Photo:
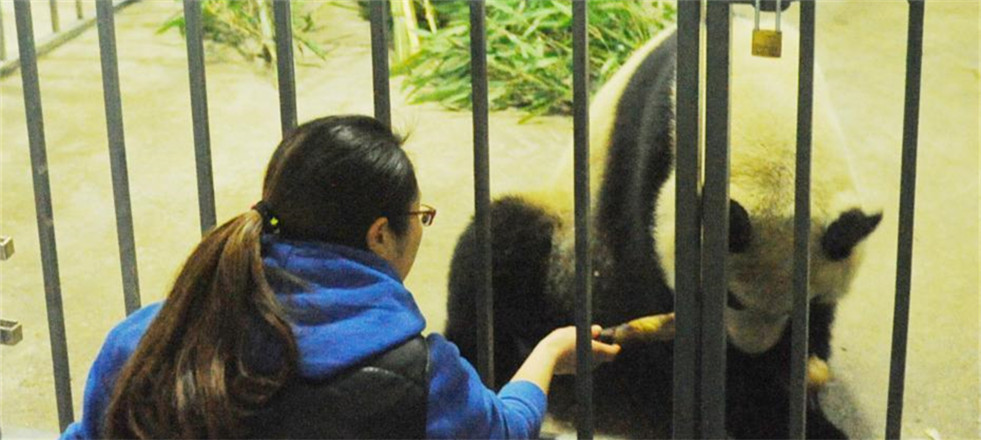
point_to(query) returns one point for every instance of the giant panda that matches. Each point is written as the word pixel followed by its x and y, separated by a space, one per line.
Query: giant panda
pixel 632 246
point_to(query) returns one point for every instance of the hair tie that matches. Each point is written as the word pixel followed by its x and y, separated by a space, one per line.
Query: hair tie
pixel 270 222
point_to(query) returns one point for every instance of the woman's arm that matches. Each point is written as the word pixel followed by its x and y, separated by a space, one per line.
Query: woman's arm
pixel 460 406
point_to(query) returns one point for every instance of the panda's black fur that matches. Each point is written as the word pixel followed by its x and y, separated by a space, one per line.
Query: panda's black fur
pixel 525 273
pixel 532 280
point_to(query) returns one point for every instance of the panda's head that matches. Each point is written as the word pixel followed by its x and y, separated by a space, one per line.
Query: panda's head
pixel 761 264
pixel 763 141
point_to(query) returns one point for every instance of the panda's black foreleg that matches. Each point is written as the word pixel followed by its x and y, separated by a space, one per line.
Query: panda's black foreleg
pixel 758 393
pixel 819 338
pixel 521 246
pixel 819 345
pixel 763 413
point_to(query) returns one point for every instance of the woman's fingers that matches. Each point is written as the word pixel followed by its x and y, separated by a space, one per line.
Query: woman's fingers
pixel 605 352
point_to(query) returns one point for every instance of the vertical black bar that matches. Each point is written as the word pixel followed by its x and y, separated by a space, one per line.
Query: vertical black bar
pixel 584 297
pixel 79 13
pixel 284 65
pixel 379 60
pixel 715 247
pixel 199 112
pixel 3 40
pixel 55 21
pixel 688 226
pixel 481 177
pixel 117 154
pixel 45 214
pixel 907 197
pixel 802 224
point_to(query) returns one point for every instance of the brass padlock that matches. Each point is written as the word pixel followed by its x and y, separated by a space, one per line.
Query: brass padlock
pixel 767 43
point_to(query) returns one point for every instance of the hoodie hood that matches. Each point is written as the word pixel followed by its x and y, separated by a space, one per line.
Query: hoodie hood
pixel 351 307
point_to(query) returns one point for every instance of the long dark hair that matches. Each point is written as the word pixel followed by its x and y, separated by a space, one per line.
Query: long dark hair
pixel 194 373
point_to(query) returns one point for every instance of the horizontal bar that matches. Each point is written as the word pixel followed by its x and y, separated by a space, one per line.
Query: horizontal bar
pixel 907 199
pixel 53 41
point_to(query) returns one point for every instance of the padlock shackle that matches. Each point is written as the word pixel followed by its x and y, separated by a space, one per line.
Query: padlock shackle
pixel 779 10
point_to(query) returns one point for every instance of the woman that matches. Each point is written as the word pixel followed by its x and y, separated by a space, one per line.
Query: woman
pixel 291 320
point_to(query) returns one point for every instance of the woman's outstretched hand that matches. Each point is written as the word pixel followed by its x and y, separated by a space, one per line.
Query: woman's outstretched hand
pixel 563 340
pixel 556 354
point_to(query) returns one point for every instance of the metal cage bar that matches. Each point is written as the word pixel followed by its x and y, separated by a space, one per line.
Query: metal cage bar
pixel 584 295
pixel 715 214
pixel 688 225
pixel 199 114
pixel 907 198
pixel 45 214
pixel 481 177
pixel 55 20
pixel 3 40
pixel 379 60
pixel 802 225
pixel 117 154
pixel 284 65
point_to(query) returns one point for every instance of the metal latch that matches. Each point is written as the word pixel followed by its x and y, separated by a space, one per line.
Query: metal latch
pixel 10 332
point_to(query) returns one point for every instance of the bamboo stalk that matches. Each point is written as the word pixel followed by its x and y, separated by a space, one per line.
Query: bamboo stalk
pixel 411 26
pixel 427 6
pixel 646 329
pixel 268 37
pixel 398 30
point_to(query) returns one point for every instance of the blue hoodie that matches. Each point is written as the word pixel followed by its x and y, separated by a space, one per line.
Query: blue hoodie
pixel 355 308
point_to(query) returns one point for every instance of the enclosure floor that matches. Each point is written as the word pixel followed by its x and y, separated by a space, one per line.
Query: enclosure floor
pixel 861 46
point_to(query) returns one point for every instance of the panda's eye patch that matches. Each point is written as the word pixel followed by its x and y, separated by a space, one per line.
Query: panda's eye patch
pixel 846 232
pixel 734 302
pixel 740 229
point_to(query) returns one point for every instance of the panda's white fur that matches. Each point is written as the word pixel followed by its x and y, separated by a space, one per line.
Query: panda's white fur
pixel 763 115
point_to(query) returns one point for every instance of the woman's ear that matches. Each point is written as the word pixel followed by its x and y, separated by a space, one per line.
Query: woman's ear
pixel 380 239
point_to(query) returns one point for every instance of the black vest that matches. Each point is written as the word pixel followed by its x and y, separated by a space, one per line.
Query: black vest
pixel 385 397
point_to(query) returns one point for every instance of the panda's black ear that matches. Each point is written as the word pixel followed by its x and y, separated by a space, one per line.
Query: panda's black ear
pixel 740 229
pixel 847 231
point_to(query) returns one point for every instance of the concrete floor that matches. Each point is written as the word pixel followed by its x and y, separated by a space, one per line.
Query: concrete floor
pixel 861 46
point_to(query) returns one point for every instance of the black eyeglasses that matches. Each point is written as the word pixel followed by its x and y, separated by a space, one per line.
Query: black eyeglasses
pixel 426 215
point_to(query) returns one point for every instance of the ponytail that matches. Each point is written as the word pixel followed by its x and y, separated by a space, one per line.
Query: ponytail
pixel 199 370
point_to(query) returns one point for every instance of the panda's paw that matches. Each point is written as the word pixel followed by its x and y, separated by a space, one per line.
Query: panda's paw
pixel 818 374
